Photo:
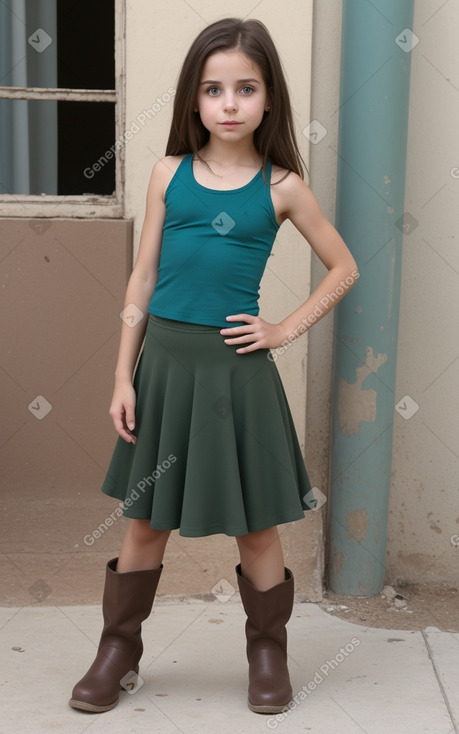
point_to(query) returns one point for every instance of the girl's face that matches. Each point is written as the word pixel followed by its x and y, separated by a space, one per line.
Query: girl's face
pixel 232 95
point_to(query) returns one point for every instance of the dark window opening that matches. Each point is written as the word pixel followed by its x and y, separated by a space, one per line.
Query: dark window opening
pixel 85 49
pixel 50 147
pixel 86 130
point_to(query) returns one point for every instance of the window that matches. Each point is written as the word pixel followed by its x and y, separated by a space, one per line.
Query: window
pixel 61 107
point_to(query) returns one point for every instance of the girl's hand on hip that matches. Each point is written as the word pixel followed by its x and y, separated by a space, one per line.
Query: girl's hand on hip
pixel 122 410
pixel 259 334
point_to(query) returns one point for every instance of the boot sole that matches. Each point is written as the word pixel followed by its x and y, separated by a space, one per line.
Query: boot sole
pixel 268 708
pixel 92 707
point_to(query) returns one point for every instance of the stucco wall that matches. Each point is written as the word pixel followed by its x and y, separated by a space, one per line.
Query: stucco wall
pixel 45 556
pixel 158 36
pixel 422 542
pixel 423 531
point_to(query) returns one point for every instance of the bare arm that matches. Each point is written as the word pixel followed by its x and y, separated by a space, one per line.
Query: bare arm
pixel 138 295
pixel 305 213
pixel 295 201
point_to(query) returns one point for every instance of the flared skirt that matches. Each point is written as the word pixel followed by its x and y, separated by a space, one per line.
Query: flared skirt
pixel 217 450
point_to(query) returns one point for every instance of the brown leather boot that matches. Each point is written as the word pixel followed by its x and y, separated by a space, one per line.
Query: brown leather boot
pixel 127 601
pixel 267 614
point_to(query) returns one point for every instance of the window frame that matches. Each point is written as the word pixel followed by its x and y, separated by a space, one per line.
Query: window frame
pixel 79 206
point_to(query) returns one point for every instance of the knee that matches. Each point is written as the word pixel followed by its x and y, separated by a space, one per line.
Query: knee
pixel 142 534
pixel 257 541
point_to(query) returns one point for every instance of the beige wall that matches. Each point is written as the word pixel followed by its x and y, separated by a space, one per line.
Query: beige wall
pixel 158 36
pixel 424 500
pixel 423 533
pixel 61 288
pixel 63 283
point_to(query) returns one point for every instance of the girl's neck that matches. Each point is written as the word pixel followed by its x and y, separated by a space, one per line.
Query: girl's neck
pixel 229 155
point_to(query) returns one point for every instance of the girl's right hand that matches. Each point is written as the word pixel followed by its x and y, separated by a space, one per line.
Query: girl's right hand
pixel 122 410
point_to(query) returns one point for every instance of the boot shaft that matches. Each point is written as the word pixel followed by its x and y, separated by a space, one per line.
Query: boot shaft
pixel 127 599
pixel 267 611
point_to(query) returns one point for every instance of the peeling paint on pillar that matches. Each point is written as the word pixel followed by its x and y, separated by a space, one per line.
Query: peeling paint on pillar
pixel 355 404
pixel 336 562
pixel 357 524
pixel 372 142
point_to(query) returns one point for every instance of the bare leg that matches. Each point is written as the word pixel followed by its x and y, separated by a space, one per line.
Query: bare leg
pixel 262 559
pixel 142 548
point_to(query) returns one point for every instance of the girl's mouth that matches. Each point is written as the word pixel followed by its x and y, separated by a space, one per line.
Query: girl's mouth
pixel 230 123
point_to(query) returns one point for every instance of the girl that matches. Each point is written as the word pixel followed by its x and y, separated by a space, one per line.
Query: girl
pixel 206 439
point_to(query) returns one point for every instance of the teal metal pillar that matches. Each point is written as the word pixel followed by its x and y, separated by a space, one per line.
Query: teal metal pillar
pixel 377 42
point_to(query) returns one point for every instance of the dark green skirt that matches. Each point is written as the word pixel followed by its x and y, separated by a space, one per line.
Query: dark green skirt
pixel 217 450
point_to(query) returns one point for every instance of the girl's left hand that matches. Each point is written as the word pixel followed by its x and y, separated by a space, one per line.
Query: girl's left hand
pixel 258 332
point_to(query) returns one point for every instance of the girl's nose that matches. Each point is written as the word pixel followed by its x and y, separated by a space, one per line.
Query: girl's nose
pixel 229 103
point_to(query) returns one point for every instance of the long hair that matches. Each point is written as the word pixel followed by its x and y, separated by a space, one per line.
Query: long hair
pixel 275 136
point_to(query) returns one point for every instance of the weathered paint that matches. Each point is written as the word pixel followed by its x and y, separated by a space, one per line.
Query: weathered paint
pixel 355 404
pixel 336 562
pixel 373 126
pixel 357 524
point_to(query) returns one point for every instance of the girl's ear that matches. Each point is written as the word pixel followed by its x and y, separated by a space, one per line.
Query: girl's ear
pixel 268 101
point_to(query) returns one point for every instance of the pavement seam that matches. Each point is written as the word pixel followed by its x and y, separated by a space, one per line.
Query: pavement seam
pixel 440 684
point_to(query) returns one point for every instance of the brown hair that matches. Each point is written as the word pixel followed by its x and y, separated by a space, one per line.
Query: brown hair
pixel 275 136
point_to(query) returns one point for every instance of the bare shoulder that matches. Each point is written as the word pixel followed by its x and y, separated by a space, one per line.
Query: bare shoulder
pixel 286 187
pixel 170 163
pixel 286 180
pixel 164 170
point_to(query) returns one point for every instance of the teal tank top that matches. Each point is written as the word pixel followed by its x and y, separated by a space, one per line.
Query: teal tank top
pixel 214 250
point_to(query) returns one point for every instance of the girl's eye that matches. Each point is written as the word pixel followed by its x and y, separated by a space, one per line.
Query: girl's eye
pixel 214 91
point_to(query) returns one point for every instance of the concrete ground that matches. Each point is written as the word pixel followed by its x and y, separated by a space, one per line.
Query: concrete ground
pixel 346 678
